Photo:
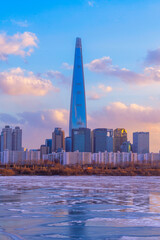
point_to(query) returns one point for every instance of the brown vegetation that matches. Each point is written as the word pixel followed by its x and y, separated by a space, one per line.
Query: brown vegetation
pixel 50 169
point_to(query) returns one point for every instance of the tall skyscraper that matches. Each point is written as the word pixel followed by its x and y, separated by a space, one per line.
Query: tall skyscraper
pixel 120 136
pixel 17 139
pixel 48 143
pixel 78 101
pixel 81 140
pixel 6 138
pixel 141 142
pixel 58 140
pixel 102 140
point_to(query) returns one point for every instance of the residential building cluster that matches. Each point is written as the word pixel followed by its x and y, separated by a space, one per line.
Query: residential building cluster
pixel 106 158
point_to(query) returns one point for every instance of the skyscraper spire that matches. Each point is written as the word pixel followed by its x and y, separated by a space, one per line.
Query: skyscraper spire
pixel 78 100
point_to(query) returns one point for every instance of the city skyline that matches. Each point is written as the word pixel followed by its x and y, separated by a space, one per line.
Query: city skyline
pixel 121 66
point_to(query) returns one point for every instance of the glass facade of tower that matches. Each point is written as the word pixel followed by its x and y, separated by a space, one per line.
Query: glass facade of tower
pixel 120 136
pixel 102 140
pixel 81 140
pixel 141 142
pixel 78 101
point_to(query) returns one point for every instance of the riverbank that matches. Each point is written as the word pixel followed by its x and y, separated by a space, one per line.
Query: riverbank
pixel 136 170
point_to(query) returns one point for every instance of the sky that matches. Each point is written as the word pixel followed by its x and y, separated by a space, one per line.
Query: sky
pixel 121 56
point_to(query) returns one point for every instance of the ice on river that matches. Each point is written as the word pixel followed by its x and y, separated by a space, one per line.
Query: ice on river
pixel 87 207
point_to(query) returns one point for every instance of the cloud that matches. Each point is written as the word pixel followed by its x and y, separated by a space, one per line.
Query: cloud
pixel 104 65
pixel 39 125
pixel 153 57
pixel 18 81
pixel 92 95
pixel 97 92
pixel 91 3
pixel 58 76
pixel 20 23
pixel 132 117
pixel 9 119
pixel 20 44
pixel 132 112
pixel 67 66
pixel 49 118
pixel 104 88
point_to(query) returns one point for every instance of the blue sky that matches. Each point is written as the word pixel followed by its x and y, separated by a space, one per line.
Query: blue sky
pixel 122 85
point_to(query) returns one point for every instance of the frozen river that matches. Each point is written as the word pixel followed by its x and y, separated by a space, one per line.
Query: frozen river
pixel 88 207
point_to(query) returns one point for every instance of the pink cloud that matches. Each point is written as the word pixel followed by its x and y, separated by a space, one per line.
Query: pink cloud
pixel 67 66
pixel 105 89
pixel 104 65
pixel 92 95
pixel 39 125
pixel 153 57
pixel 18 81
pixel 20 44
pixel 58 76
pixel 98 92
pixel 46 118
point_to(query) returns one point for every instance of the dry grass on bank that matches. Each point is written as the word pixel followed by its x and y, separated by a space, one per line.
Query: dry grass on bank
pixel 57 169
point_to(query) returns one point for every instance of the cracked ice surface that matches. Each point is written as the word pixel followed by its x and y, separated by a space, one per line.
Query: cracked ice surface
pixel 88 207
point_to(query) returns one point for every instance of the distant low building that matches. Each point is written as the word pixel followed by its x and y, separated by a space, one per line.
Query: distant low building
pixel 33 155
pixel 12 157
pixel 126 147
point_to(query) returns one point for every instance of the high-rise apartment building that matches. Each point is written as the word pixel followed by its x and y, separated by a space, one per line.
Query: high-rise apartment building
pixel 58 140
pixel 11 139
pixel 17 139
pixel 141 142
pixel 6 138
pixel 48 143
pixel 43 150
pixel 81 140
pixel 102 140
pixel 78 100
pixel 120 136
